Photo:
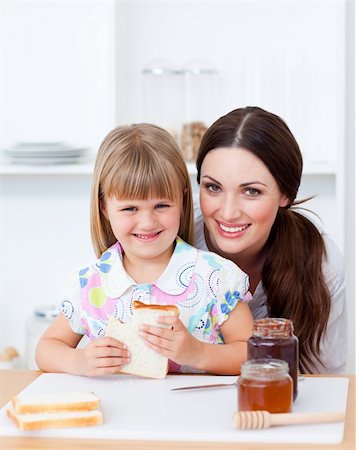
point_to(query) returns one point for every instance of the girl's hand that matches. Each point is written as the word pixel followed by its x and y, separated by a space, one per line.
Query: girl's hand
pixel 174 342
pixel 102 356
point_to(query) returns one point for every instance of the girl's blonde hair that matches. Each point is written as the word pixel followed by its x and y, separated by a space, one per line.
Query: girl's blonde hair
pixel 137 162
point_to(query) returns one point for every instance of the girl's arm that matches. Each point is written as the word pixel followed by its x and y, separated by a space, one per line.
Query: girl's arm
pixel 183 348
pixel 56 352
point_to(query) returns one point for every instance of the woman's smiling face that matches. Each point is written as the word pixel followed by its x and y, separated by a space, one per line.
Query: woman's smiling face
pixel 239 200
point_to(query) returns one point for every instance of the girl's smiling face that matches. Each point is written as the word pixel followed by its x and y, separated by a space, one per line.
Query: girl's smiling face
pixel 239 200
pixel 146 229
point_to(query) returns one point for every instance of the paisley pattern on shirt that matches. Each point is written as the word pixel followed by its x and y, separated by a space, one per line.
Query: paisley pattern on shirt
pixel 203 285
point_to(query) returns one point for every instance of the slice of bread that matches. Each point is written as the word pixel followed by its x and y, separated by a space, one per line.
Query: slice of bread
pixel 41 421
pixel 55 402
pixel 145 362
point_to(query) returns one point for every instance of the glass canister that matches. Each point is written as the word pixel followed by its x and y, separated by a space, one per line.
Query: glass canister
pixel 35 327
pixel 274 338
pixel 163 99
pixel 265 385
pixel 201 83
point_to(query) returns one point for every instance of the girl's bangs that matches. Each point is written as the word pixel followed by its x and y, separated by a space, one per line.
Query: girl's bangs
pixel 140 183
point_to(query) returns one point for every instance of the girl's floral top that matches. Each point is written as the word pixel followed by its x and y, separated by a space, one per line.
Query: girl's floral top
pixel 203 285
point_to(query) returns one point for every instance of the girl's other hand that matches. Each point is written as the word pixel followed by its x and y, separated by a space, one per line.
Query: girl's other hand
pixel 174 342
pixel 102 356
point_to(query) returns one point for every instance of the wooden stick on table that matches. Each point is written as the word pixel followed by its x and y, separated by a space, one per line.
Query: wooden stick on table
pixel 249 420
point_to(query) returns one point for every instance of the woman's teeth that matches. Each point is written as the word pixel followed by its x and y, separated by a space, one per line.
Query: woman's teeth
pixel 232 229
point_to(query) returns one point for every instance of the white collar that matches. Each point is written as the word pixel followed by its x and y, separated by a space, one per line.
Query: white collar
pixel 116 280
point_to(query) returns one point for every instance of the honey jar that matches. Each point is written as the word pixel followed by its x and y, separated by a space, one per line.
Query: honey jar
pixel 265 385
pixel 274 338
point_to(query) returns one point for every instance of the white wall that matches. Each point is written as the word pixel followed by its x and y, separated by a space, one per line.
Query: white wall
pixel 44 236
pixel 350 181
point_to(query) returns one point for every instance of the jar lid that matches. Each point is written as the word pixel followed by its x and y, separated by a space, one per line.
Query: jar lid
pixel 264 368
pixel 46 311
pixel 273 327
pixel 161 67
pixel 199 67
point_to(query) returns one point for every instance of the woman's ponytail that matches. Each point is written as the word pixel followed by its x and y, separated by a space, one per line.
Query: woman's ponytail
pixel 293 281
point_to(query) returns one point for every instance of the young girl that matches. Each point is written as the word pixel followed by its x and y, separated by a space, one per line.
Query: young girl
pixel 141 201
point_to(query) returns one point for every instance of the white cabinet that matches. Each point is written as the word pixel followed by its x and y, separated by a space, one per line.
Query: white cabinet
pixel 57 77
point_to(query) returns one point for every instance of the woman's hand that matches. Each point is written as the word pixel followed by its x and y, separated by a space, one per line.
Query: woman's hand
pixel 102 356
pixel 175 342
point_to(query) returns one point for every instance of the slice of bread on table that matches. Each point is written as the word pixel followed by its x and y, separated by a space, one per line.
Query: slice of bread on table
pixel 55 410
pixel 40 421
pixel 55 402
pixel 145 362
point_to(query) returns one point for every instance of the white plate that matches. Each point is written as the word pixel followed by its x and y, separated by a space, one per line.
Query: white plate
pixel 44 153
pixel 75 152
pixel 46 161
pixel 45 147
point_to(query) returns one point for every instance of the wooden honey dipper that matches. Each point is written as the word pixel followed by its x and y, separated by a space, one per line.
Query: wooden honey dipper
pixel 253 420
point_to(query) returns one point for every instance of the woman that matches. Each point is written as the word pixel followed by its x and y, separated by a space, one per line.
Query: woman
pixel 249 170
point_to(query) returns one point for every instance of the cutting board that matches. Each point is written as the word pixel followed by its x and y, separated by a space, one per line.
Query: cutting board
pixel 141 409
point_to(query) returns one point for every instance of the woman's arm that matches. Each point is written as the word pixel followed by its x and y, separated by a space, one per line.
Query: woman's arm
pixel 333 348
pixel 56 352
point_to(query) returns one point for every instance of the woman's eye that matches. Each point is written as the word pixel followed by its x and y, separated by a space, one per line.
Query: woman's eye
pixel 212 187
pixel 252 192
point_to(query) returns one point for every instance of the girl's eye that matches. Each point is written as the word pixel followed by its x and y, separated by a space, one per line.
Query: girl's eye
pixel 162 206
pixel 212 187
pixel 129 209
pixel 252 192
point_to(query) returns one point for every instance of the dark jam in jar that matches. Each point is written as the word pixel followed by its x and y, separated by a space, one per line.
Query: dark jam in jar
pixel 265 385
pixel 274 338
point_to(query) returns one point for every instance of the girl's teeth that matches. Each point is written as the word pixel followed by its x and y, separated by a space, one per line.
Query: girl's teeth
pixel 232 229
pixel 146 236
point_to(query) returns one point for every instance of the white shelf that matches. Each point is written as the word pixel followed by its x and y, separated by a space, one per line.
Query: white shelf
pixel 58 169
pixel 55 169
pixel 87 169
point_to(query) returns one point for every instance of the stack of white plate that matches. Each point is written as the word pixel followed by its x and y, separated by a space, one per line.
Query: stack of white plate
pixel 44 153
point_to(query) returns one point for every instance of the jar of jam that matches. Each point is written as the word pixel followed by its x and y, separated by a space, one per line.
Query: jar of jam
pixel 265 385
pixel 274 338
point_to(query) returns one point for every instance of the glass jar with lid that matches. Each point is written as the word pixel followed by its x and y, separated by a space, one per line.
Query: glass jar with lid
pixel 36 324
pixel 163 95
pixel 200 77
pixel 265 385
pixel 182 100
pixel 274 338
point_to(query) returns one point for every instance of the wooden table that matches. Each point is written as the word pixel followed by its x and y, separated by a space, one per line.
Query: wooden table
pixel 14 381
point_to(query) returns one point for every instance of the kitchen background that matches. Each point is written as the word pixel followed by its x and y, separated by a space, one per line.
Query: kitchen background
pixel 71 71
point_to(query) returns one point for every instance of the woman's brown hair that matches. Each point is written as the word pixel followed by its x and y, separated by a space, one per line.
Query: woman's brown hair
pixel 292 273
pixel 138 161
